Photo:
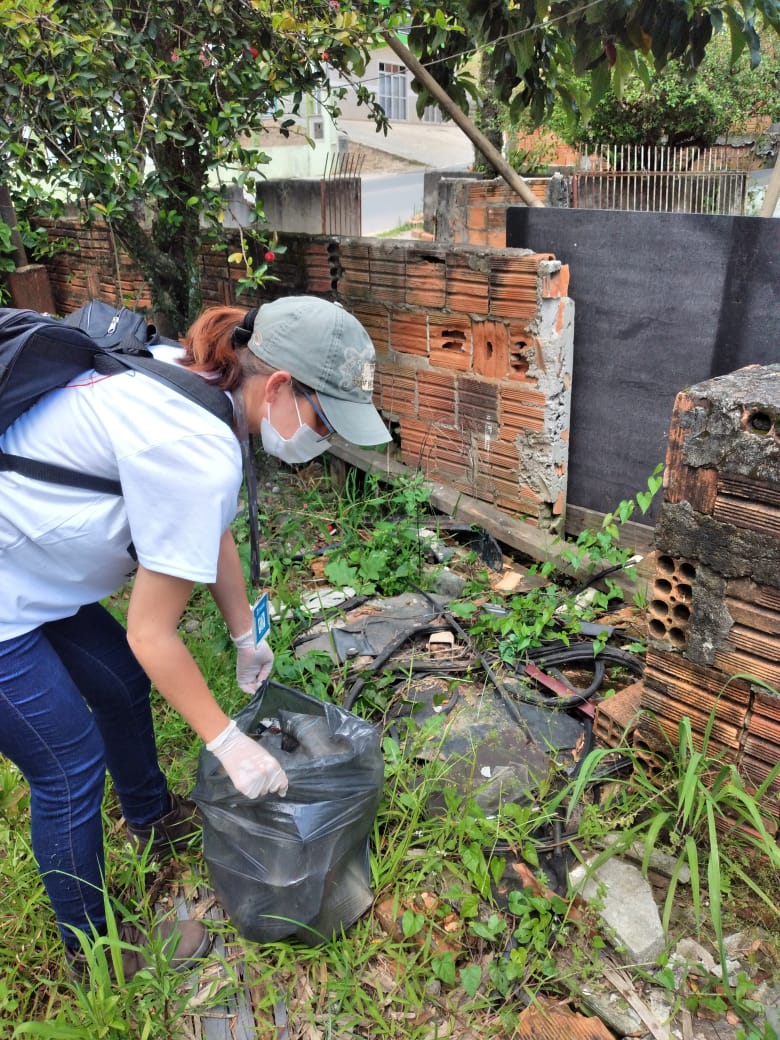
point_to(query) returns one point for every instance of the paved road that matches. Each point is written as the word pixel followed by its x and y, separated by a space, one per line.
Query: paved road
pixel 389 202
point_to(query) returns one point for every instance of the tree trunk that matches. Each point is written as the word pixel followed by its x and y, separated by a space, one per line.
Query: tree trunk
pixel 8 215
pixel 162 272
pixel 488 119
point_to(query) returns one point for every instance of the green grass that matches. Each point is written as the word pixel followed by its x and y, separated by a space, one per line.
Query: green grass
pixel 454 943
pixel 402 228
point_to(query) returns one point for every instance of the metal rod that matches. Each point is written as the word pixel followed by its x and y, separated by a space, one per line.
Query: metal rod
pixel 475 135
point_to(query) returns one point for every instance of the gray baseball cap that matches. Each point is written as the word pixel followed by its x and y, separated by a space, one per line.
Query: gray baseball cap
pixel 326 348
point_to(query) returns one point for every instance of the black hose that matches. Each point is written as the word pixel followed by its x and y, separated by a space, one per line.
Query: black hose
pixel 381 659
pixel 597 577
pixel 515 714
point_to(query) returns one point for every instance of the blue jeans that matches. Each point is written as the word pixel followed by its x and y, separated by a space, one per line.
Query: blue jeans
pixel 74 702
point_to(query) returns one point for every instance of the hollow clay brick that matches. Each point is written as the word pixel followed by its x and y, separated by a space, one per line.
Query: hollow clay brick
pixel 409 332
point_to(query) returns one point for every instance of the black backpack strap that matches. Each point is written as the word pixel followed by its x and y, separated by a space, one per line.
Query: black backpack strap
pixel 58 474
pixel 190 384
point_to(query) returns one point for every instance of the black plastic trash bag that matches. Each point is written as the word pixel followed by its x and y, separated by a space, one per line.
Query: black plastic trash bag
pixel 295 866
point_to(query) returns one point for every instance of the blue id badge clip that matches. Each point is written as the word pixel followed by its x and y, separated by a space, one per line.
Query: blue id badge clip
pixel 260 614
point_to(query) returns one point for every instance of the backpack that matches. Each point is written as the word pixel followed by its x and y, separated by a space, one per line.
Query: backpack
pixel 122 329
pixel 39 353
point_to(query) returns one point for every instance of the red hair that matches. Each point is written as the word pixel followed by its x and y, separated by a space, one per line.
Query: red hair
pixel 210 347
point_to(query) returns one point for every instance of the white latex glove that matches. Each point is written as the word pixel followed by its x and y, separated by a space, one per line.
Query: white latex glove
pixel 251 768
pixel 253 663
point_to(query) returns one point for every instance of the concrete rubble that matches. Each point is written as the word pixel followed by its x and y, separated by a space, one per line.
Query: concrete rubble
pixel 624 900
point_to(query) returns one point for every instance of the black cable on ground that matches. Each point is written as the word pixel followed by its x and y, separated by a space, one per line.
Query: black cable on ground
pixel 553 654
pixel 516 716
pixel 557 654
pixel 576 653
pixel 378 663
pixel 599 575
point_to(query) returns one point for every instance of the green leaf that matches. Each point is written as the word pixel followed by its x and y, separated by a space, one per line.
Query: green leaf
pixel 714 891
pixel 470 905
pixel 339 573
pixel 471 978
pixel 373 564
pixel 444 968
pixel 411 923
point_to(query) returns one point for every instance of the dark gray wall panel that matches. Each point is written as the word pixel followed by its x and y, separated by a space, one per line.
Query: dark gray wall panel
pixel 662 300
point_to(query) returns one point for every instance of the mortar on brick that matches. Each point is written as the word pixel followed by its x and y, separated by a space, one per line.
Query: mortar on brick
pixel 555 279
pixel 519 365
pixel 543 454
pixel 498 467
pixel 718 431
pixel 733 553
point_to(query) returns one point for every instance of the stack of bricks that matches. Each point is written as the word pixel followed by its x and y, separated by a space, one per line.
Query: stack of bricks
pixel 714 611
pixel 474 356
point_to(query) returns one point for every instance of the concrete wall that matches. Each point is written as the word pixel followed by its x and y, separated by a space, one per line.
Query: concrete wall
pixel 314 207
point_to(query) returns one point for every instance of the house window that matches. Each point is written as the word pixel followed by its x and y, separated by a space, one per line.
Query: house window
pixel 392 89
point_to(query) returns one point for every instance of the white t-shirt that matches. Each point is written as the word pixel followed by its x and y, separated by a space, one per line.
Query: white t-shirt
pixel 180 469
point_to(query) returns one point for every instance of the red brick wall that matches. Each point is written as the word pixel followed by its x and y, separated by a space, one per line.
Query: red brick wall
pixel 473 348
pixel 473 359
pixel 548 146
pixel 484 220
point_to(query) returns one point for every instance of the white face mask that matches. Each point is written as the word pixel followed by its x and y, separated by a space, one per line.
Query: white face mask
pixel 303 446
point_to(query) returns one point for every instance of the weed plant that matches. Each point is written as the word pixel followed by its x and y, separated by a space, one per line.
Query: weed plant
pixel 696 808
pixel 467 925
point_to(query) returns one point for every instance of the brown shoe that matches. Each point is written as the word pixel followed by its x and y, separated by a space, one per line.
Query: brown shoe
pixel 183 944
pixel 172 833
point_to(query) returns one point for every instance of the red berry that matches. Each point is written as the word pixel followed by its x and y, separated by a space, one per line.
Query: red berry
pixel 269 257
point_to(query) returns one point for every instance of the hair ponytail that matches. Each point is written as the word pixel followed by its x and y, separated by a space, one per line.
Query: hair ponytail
pixel 211 346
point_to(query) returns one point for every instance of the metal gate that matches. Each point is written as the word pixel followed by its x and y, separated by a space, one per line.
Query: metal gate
pixel 342 210
pixel 651 177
